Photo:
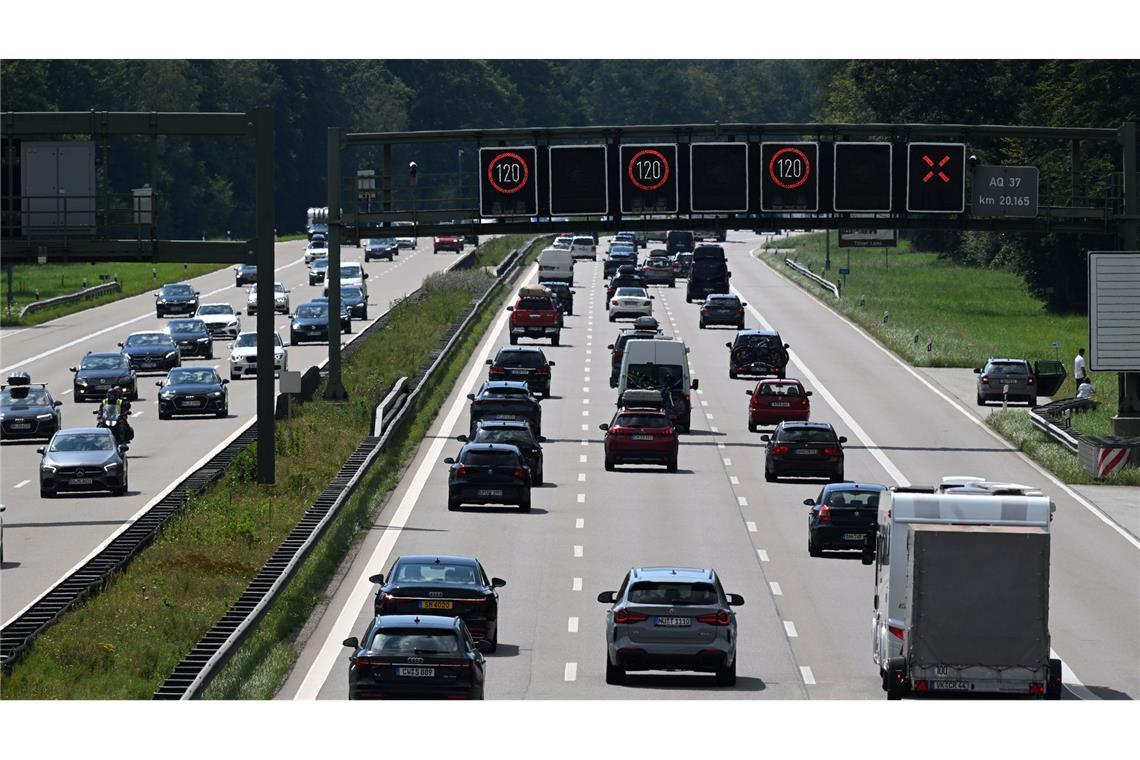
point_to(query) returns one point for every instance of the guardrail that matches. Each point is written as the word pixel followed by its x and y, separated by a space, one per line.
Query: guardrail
pixel 96 290
pixel 834 288
pixel 394 400
pixel 212 651
pixel 1054 431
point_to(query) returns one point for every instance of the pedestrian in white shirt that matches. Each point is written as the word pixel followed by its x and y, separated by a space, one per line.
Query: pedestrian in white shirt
pixel 1086 389
pixel 1079 373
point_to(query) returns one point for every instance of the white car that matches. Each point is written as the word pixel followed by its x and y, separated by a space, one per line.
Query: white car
pixel 563 242
pixel 316 249
pixel 280 299
pixel 631 302
pixel 583 247
pixel 351 275
pixel 221 319
pixel 243 355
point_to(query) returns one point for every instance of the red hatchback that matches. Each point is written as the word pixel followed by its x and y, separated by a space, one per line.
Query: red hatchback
pixel 641 436
pixel 775 401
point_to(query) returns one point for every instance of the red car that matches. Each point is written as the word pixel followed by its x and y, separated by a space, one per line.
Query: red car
pixel 641 436
pixel 775 401
pixel 534 315
pixel 448 243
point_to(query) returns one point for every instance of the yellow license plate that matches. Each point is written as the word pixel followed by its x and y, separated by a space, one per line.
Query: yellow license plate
pixel 431 605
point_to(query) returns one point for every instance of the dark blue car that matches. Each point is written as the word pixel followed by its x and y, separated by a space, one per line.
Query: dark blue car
pixel 844 516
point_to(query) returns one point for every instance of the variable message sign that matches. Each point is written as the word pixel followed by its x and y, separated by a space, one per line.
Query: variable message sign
pixel 578 182
pixel 863 177
pixel 936 178
pixel 649 179
pixel 718 177
pixel 507 182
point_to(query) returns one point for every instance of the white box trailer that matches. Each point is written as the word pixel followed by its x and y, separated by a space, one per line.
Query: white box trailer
pixel 898 513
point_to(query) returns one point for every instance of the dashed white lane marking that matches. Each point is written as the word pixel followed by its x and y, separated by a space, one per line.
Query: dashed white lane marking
pixel 704 403
pixel 577 550
pixel 582 458
pixel 572 626
pixel 585 442
pixel 751 526
pixel 790 629
pixel 720 445
pixel 22 483
pixel 585 389
pixel 727 462
pixel 742 501
pixel 585 401
pixel 805 673
pixel 776 591
pixel 66 392
pixel 581 477
pixel 576 585
pixel 709 416
pixel 714 428
pixel 138 413
pixel 586 379
pixel 581 498
pixel 584 425
pixel 588 351
pixel 763 555
pixel 580 523
pixel 585 413
pixel 588 360
pixel 734 480
pixel 700 391
pixel 571 671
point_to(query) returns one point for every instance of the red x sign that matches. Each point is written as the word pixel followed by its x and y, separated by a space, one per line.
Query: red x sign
pixel 930 174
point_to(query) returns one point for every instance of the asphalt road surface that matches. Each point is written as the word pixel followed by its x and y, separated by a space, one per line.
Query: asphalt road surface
pixel 805 629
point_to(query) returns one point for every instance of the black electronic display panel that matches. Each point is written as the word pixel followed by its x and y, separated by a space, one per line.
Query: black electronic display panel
pixel 863 178
pixel 789 176
pixel 718 177
pixel 936 178
pixel 578 180
pixel 507 182
pixel 649 179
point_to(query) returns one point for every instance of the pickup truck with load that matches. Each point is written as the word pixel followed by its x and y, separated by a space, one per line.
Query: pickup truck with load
pixel 535 315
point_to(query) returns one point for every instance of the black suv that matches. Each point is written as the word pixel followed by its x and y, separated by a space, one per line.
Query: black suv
pixel 563 295
pixel 505 401
pixel 722 309
pixel 804 449
pixel 515 433
pixel 757 352
pixel 522 363
pixel 679 240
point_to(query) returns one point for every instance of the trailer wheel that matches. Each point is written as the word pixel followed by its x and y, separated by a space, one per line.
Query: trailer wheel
pixel 1053 685
pixel 896 678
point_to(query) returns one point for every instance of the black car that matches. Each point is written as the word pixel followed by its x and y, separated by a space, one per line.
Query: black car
pixel 355 300
pixel 426 584
pixel 179 298
pixel 470 240
pixel 245 274
pixel 563 295
pixel 405 656
pixel 516 433
pixel 83 459
pixel 757 352
pixel 706 276
pixel 381 248
pixel 844 516
pixel 804 449
pixel 318 268
pixel 192 337
pixel 98 372
pixel 193 390
pixel 617 259
pixel 311 323
pixel 151 352
pixel 522 363
pixel 722 309
pixel 679 240
pixel 505 400
pixel 617 349
pixel 630 279
pixel 488 473
pixel 27 410
pixel 345 314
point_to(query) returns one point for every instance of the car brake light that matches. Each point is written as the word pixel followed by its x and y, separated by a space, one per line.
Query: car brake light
pixel 825 513
pixel 461 471
pixel 803 402
pixel 717 618
pixel 985 380
pixel 896 632
pixel 542 371
pixel 781 449
pixel 519 473
pixel 1031 380
pixel 625 616
pixel 1036 689
pixel 830 451
pixel 614 302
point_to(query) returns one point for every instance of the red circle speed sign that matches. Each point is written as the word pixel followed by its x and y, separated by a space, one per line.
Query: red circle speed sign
pixel 789 167
pixel 508 176
pixel 648 169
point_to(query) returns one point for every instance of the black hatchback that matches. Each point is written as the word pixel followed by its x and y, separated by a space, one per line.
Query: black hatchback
pixel 804 449
pixel 757 353
pixel 427 584
pixel 522 364
pixel 722 309
pixel 844 516
pixel 488 473
pixel 516 434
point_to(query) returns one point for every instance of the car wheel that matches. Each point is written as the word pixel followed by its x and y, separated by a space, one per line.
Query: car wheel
pixel 752 427
pixel 732 374
pixel 224 412
pixel 740 325
pixel 538 480
pixel 672 283
pixel 612 318
pixel 981 401
pixel 671 465
pixel 493 646
pixel 163 415
pixel 210 354
pixel 688 299
pixel 514 340
pixel 726 676
pixel 609 463
pixel 135 394
pixel 836 477
pixel 615 676
pixel 1053 684
pixel 452 504
pixel 812 550
pixel 896 678
pixel 121 491
pixel 554 340
pixel 771 477
pixel 702 324
pixel 524 505
pixel 364 316
pixel 348 328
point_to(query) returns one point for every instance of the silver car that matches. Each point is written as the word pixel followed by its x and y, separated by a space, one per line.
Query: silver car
pixel 671 618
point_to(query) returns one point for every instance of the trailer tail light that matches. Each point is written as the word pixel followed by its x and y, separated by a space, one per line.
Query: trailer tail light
pixel 896 632
pixel 717 618
pixel 921 685
pixel 624 616
pixel 1037 689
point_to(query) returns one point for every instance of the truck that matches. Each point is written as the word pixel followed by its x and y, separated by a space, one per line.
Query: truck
pixel 961 599
pixel 535 315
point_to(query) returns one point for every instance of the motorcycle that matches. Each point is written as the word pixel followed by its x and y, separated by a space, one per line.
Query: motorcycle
pixel 114 419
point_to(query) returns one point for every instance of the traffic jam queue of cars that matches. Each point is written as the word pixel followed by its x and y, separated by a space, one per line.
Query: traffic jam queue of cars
pixel 436 616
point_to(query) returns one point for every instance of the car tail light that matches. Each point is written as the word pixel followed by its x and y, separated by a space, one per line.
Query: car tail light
pixel 825 513
pixel 386 598
pixel 624 616
pixel 740 309
pixel 496 368
pixel 896 632
pixel 985 380
pixel 780 450
pixel 830 451
pixel 461 471
pixel 614 302
pixel 803 402
pixel 542 371
pixel 717 618
pixel 1031 380
pixel 519 473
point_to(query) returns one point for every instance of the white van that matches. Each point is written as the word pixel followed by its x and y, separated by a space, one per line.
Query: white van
pixel 900 508
pixel 556 264
pixel 650 364
pixel 584 247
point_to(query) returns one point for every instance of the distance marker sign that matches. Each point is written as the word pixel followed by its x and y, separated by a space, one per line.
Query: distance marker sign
pixel 789 176
pixel 507 182
pixel 649 179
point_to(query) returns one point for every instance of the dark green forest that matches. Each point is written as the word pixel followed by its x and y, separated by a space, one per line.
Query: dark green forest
pixel 204 183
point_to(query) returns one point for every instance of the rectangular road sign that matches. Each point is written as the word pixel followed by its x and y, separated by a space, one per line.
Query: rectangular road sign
pixel 508 185
pixel 649 179
pixel 864 180
pixel 789 176
pixel 935 178
pixel 578 182
pixel 718 177
pixel 1114 311
pixel 1004 191
pixel 867 238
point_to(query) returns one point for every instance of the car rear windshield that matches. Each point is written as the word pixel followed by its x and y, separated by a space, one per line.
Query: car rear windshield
pixel 723 301
pixel 757 342
pixel 528 359
pixel 1006 368
pixel 779 389
pixel 642 420
pixel 535 304
pixel 583 241
pixel 493 406
pixel 483 458
pixel 632 292
pixel 806 435
pixel 409 641
pixel 512 436
pixel 678 236
pixel 853 499
pixel 654 376
pixel 433 572
pixel 672 593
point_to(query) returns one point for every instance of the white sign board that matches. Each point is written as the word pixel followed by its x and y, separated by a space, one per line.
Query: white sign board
pixel 290 382
pixel 1114 311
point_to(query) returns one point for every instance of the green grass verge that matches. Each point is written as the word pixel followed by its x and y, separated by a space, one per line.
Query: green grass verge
pixel 292 236
pixel 1014 425
pixel 492 253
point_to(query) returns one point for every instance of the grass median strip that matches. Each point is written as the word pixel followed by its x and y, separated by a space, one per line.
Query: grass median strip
pixel 492 253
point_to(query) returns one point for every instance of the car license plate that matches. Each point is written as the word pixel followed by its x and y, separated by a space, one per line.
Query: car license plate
pixel 489 492
pixel 191 402
pixel 147 365
pixel 854 536
pixel 21 426
pixel 807 451
pixel 416 672
pixel 518 371
pixel 781 404
pixel 81 481
pixel 433 604
pixel 674 622
pixel 950 685
pixel 642 437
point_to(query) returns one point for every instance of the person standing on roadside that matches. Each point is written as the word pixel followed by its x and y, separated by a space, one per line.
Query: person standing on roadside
pixel 1079 373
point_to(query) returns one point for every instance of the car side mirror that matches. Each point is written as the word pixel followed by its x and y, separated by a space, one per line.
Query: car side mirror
pixel 607 597
pixel 550 364
pixel 604 426
pixel 843 439
pixel 378 579
pixel 742 303
pixel 483 646
pixel 225 381
pixel 470 396
pixel 366 275
pixel 735 600
pixel 748 392
pixel 352 641
pixel 73 369
pixel 728 345
pixel 977 370
pixel 489 362
pixel 57 403
pixel 610 347
pixel 449 460
pixel 510 308
pixel 40 450
pixel 498 583
pixel 809 502
pixel 807 393
pixel 542 439
pixel 158 384
pixel 765 437
pixel 120 345
pixel 124 448
pixel 461 438
pixel 695 384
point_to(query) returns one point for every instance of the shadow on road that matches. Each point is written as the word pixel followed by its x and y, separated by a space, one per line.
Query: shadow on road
pixel 693 681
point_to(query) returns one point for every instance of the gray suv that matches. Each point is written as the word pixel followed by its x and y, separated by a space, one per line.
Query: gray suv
pixel 671 618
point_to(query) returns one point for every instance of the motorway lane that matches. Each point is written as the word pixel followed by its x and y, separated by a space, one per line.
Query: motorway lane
pixel 44 539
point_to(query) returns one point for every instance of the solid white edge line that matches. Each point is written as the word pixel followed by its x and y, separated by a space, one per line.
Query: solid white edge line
pixel 322 665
